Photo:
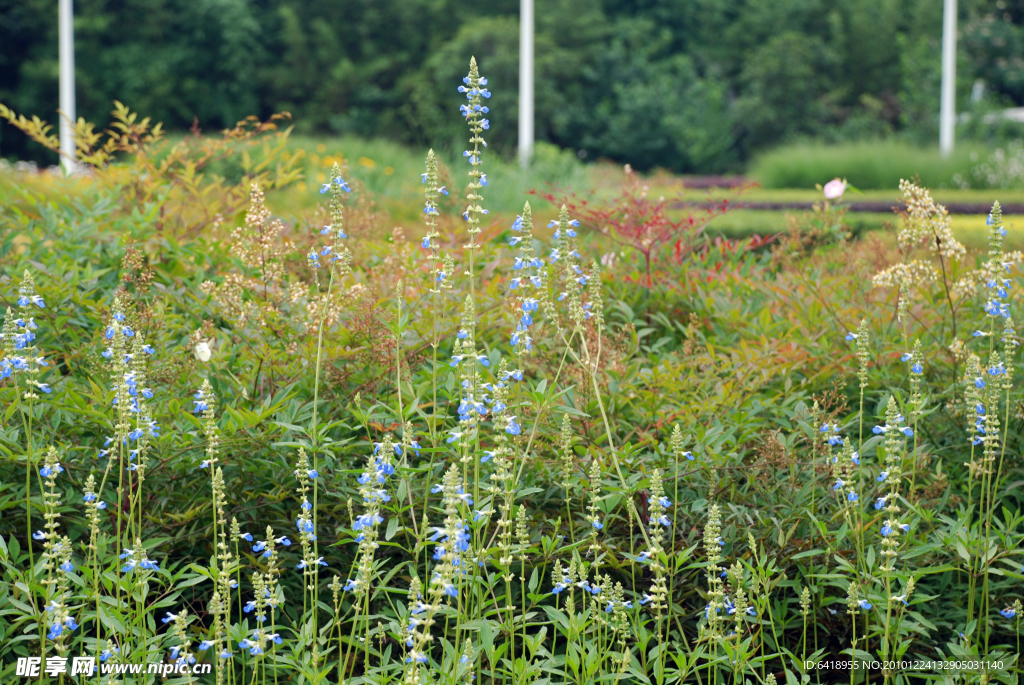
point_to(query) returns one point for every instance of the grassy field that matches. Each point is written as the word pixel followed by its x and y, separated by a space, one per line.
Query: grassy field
pixel 867 164
pixel 968 229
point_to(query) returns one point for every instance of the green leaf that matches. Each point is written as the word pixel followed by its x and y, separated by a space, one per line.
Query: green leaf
pixel 189 582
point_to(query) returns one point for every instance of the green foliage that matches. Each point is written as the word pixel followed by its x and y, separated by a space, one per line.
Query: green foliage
pixel 390 172
pixel 866 165
pixel 735 379
pixel 692 86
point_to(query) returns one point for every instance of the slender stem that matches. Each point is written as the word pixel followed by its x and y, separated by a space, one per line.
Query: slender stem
pixel 853 646
pixel 611 445
pixel 970 560
pixel 315 443
pixel 860 480
pixel 540 412
pixel 805 637
pixel 30 450
pixel 351 639
pixel 398 357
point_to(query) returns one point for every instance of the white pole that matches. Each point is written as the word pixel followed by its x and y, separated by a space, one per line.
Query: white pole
pixel 66 50
pixel 525 82
pixel 947 109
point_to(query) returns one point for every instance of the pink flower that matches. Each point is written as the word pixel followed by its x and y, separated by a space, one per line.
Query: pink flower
pixel 834 189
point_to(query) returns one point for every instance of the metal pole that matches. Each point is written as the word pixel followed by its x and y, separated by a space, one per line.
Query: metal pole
pixel 525 82
pixel 66 49
pixel 947 109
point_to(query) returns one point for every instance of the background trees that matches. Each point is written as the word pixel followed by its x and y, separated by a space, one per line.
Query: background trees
pixel 689 85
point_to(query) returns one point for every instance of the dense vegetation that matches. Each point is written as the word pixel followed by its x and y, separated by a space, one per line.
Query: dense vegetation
pixel 689 85
pixel 591 447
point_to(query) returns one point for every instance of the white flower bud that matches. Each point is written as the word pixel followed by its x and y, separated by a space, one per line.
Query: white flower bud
pixel 203 352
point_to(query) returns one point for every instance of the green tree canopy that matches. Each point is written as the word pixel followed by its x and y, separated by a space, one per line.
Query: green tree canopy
pixel 689 85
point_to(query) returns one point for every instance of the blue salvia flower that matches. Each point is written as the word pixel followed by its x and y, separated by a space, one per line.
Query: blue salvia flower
pixel 613 603
pixel 471 407
pixel 336 254
pixel 895 427
pixel 513 428
pixel 339 182
pixel 995 305
pixel 473 111
pixel 57 551
pixel 27 294
pixel 561 585
pixel 534 277
pixel 571 273
pixel 891 527
pixel 136 559
pixel 453 539
pixel 18 351
pixel 833 438
pixel 659 509
pixel 304 523
pixel 371 487
pixel 51 470
pixel 200 402
pixel 431 192
pixel 57 554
